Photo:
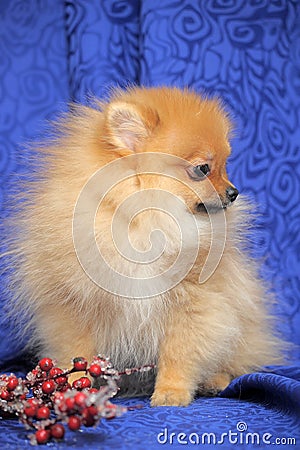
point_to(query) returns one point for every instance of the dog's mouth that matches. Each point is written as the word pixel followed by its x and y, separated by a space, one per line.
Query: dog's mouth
pixel 210 208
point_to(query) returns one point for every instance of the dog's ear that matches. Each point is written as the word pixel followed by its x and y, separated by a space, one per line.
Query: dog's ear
pixel 127 125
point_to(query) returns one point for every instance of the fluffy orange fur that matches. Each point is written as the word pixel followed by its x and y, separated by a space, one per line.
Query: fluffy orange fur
pixel 200 335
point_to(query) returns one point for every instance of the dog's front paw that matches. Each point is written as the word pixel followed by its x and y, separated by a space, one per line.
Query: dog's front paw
pixel 171 397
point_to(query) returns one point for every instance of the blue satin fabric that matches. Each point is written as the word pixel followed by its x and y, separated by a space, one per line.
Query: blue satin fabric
pixel 245 51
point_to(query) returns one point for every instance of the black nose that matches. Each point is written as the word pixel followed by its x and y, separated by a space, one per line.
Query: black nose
pixel 232 193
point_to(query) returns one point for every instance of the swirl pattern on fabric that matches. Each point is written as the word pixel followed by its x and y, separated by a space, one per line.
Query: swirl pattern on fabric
pixel 103 46
pixel 33 89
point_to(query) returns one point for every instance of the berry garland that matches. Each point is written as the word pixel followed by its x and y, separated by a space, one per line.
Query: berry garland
pixel 44 401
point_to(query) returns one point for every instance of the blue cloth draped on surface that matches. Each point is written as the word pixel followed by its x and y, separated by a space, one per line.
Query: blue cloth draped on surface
pixel 248 53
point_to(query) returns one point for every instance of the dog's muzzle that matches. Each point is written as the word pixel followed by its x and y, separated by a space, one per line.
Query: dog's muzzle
pixel 231 194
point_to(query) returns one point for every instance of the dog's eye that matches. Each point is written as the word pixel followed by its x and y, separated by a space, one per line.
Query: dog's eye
pixel 199 172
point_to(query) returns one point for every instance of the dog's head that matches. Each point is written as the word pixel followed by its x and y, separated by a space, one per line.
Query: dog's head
pixel 191 132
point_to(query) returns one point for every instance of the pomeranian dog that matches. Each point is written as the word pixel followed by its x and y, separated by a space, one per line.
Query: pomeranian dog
pixel 130 244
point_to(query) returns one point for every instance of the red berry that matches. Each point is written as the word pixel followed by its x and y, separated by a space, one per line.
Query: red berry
pixel 93 391
pixel 62 407
pixel 85 382
pixel 30 411
pixel 61 380
pixel 55 371
pixel 48 387
pixel 58 380
pixel 57 431
pixel 42 436
pixel 80 399
pixel 82 383
pixel 43 412
pixel 31 407
pixel 95 370
pixel 93 410
pixel 87 418
pixel 12 383
pixel 46 364
pixel 80 364
pixel 70 403
pixel 77 384
pixel 5 395
pixel 74 423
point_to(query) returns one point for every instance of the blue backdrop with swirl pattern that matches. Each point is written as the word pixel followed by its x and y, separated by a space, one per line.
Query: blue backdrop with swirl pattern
pixel 246 51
